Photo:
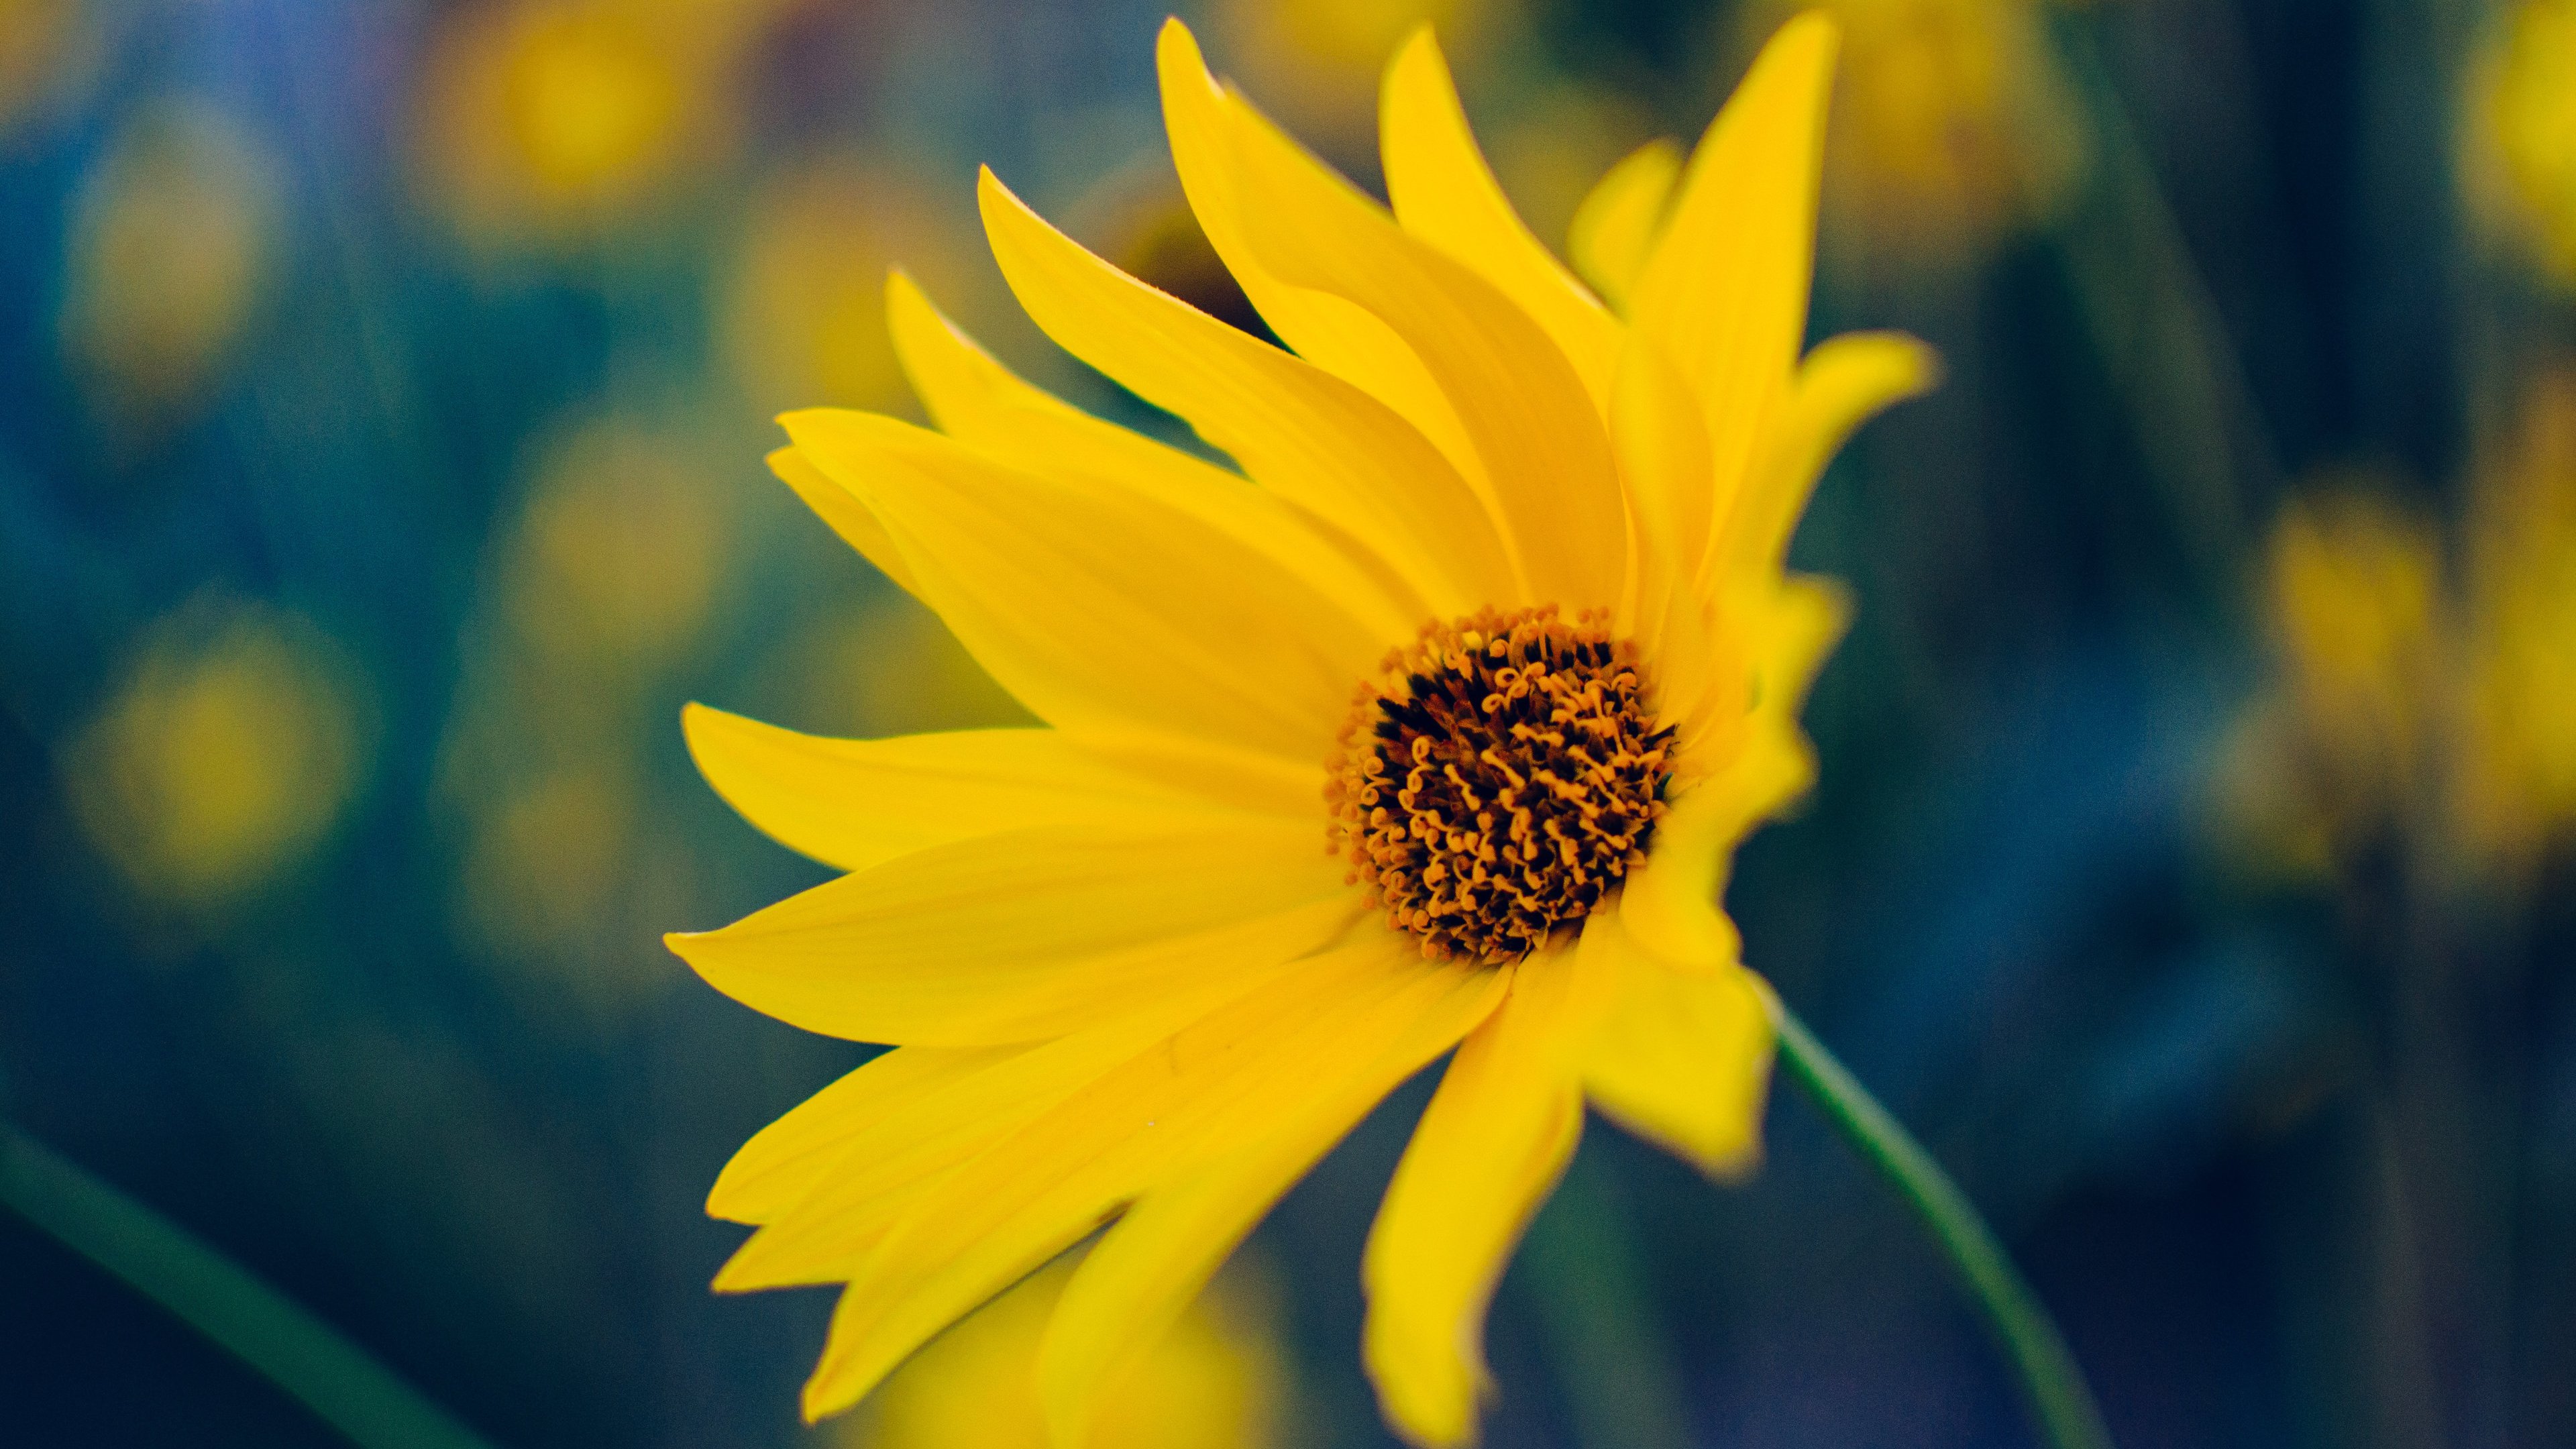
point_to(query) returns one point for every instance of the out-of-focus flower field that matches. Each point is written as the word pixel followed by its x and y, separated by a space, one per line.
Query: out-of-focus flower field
pixel 384 391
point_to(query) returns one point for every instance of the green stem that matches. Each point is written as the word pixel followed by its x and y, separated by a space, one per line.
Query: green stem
pixel 2058 1396
pixel 298 1352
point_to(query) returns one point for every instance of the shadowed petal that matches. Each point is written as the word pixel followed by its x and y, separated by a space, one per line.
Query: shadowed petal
pixel 1683 1056
pixel 1172 1109
pixel 1137 1281
pixel 1487 1152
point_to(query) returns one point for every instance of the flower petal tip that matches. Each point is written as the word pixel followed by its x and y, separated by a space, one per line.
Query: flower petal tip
pixel 1813 35
pixel 1177 54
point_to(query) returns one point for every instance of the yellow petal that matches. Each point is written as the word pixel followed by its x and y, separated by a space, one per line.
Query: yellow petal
pixel 1444 193
pixel 1615 228
pixel 1684 1056
pixel 1300 432
pixel 793 1156
pixel 1808 617
pixel 1670 904
pixel 884 1141
pixel 1842 384
pixel 848 517
pixel 1490 1147
pixel 1725 290
pixel 1137 1281
pixel 1329 331
pixel 1544 450
pixel 1174 1107
pixel 1108 614
pixel 981 403
pixel 1028 934
pixel 967 391
pixel 1661 441
pixel 852 804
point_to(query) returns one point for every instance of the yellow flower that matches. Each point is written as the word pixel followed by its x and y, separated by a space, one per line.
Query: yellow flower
pixel 1436 727
pixel 1214 1383
pixel 2342 745
pixel 230 747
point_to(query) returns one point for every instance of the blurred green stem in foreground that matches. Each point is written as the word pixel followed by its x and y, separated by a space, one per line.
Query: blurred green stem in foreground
pixel 2058 1395
pixel 290 1347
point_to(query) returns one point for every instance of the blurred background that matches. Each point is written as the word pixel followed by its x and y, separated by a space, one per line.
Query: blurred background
pixel 383 390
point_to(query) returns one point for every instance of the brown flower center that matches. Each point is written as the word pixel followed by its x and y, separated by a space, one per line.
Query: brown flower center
pixel 1497 783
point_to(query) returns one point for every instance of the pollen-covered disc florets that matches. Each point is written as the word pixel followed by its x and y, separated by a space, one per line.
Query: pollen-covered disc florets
pixel 1496 784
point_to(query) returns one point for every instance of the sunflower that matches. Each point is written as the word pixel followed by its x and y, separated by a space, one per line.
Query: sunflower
pixel 1433 727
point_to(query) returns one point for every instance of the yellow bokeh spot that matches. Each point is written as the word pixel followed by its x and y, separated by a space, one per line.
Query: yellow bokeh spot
pixel 2520 131
pixel 547 122
pixel 1213 1383
pixel 547 860
pixel 230 746
pixel 170 243
pixel 606 581
pixel 2519 785
pixel 1952 123
pixel 2415 703
pixel 804 301
pixel 588 104
pixel 617 559
pixel 2356 599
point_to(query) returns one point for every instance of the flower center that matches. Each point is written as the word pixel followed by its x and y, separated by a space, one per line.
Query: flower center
pixel 1498 781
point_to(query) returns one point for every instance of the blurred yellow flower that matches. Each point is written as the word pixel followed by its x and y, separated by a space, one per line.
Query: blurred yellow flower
pixel 1418 629
pixel 606 580
pixel 232 743
pixel 170 245
pixel 617 557
pixel 2355 598
pixel 2519 131
pixel 803 305
pixel 2519 785
pixel 547 863
pixel 1953 124
pixel 2411 704
pixel 547 121
pixel 1213 1382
